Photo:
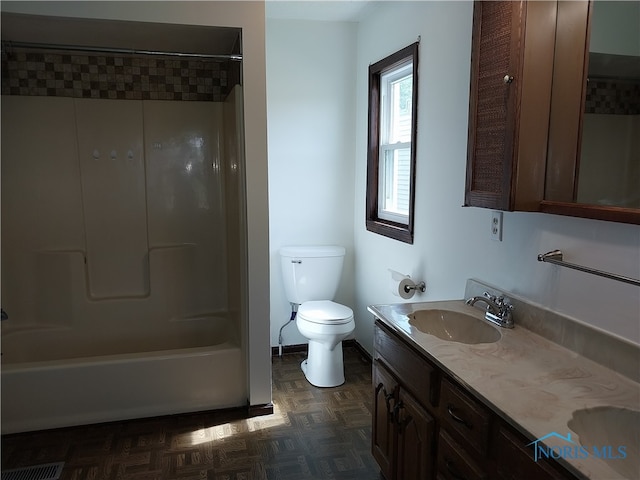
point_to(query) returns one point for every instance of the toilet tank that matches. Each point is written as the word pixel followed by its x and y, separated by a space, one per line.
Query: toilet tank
pixel 311 272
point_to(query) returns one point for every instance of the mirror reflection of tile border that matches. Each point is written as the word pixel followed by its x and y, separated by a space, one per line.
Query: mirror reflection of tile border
pixel 613 97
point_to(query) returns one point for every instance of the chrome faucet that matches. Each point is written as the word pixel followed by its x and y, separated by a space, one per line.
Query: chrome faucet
pixel 498 309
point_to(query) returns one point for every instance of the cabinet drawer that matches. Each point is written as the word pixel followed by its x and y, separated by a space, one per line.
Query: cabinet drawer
pixel 454 463
pixel 412 370
pixel 465 416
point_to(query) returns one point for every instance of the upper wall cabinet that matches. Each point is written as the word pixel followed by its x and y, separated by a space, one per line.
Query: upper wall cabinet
pixel 554 111
pixel 511 78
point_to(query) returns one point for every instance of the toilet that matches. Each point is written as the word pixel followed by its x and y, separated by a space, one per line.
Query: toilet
pixel 311 277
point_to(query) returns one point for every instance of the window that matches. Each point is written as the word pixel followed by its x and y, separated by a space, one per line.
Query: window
pixel 393 94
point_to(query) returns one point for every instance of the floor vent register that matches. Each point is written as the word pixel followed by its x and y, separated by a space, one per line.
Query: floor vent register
pixel 46 471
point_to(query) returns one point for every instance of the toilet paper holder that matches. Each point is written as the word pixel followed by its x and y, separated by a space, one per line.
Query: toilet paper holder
pixel 418 286
pixel 403 286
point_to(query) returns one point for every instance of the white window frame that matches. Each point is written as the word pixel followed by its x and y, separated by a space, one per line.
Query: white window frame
pixel 386 190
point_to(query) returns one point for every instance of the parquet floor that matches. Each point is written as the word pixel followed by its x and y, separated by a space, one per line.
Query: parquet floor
pixel 313 434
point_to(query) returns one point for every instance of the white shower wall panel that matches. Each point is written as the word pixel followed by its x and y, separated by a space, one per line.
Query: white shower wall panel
pixel 113 188
pixel 185 197
pixel 162 260
pixel 41 197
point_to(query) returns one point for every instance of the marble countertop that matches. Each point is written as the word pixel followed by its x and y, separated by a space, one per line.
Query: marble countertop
pixel 530 381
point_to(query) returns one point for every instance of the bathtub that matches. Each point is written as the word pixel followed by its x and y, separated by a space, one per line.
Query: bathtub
pixel 59 377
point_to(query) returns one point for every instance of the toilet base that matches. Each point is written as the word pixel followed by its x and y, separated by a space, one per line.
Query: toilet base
pixel 323 367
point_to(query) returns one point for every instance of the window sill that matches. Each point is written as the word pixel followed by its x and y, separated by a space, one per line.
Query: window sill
pixel 397 231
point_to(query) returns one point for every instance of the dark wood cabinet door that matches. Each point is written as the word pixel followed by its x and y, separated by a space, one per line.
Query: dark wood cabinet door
pixel 385 391
pixel 509 102
pixel 492 102
pixel 416 440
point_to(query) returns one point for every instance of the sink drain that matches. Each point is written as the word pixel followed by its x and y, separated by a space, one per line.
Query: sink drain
pixel 46 471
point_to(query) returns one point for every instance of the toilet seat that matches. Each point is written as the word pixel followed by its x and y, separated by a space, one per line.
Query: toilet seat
pixel 325 312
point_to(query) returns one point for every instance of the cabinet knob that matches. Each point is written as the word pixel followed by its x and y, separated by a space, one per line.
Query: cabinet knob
pixel 507 79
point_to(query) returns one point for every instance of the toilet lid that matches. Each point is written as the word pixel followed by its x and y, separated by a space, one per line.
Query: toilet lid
pixel 325 311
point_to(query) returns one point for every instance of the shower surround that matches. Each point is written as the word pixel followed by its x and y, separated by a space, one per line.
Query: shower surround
pixel 121 235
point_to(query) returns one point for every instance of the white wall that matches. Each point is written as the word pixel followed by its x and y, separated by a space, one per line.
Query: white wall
pixel 310 80
pixel 250 17
pixel 452 243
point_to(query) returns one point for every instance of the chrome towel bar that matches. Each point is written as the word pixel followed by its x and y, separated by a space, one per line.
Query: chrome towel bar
pixel 555 257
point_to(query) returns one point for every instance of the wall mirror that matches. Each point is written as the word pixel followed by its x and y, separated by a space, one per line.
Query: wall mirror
pixel 593 167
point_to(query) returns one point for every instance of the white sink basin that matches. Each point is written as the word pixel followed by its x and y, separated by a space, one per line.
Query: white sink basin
pixel 610 426
pixel 454 326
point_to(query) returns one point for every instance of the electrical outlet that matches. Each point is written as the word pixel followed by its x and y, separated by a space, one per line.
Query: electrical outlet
pixel 496 226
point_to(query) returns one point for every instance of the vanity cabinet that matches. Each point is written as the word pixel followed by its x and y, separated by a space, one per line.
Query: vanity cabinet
pixel 510 94
pixel 428 426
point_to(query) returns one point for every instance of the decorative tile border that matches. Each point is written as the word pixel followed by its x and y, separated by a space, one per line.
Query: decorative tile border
pixel 613 97
pixel 117 77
